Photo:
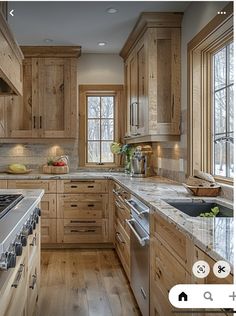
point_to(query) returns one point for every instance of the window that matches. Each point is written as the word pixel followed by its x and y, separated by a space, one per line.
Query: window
pixel 100 128
pixel 101 122
pixel 210 99
pixel 223 116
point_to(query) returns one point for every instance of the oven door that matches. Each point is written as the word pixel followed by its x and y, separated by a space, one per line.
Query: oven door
pixel 139 247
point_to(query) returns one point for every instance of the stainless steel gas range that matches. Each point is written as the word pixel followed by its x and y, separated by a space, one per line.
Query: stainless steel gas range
pixel 19 215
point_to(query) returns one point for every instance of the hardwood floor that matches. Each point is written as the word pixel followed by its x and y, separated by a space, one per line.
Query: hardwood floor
pixel 84 282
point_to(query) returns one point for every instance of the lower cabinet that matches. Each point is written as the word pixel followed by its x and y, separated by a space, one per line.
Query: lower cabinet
pixel 49 231
pixel 19 287
pixel 122 244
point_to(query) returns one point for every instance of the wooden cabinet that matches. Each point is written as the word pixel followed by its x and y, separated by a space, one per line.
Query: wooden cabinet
pixel 83 214
pixel 3 184
pixel 19 287
pixel 3 118
pixel 10 61
pixel 152 70
pixel 50 186
pixel 48 108
pixel 122 230
pixel 82 186
pixel 48 231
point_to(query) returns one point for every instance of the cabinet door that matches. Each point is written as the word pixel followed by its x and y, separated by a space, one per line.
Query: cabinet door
pixel 48 231
pixel 141 90
pixel 57 98
pixel 22 112
pixel 164 82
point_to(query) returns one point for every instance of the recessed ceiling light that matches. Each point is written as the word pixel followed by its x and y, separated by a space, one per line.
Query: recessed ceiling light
pixel 111 10
pixel 102 43
pixel 48 40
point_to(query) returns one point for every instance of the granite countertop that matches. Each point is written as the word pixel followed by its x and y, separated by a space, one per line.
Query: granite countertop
pixel 212 235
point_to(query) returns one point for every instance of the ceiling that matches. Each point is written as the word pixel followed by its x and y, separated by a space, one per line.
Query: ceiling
pixel 82 23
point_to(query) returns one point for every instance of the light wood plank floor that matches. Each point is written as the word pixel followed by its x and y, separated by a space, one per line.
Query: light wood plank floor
pixel 84 283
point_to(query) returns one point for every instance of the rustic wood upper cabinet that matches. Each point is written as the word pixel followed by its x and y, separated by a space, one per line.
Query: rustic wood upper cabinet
pixel 48 108
pixel 10 60
pixel 152 78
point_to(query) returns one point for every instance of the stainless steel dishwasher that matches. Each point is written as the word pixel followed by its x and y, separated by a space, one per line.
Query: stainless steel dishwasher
pixel 139 248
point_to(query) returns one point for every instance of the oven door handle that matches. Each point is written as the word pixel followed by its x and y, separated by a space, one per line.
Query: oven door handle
pixel 134 209
pixel 143 240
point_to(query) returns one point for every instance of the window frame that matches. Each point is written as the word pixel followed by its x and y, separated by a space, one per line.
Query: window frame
pixel 119 124
pixel 217 33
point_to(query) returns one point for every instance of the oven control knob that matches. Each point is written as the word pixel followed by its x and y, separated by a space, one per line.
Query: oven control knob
pixel 18 249
pixel 11 260
pixel 23 239
pixel 38 211
pixel 3 262
pixel 30 229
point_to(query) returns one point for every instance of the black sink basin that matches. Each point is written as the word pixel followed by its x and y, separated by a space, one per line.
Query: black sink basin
pixel 195 208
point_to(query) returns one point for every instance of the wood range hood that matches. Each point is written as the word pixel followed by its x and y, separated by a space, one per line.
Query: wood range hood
pixel 10 61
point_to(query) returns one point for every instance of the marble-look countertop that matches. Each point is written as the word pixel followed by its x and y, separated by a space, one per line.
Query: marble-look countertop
pixel 212 235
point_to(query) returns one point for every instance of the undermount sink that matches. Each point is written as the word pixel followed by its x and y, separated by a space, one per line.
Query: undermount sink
pixel 195 208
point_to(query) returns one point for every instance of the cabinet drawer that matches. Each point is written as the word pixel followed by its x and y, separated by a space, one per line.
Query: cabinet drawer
pixel 122 244
pixel 171 237
pixel 82 230
pixel 122 213
pixel 49 206
pixel 48 231
pixel 47 185
pixel 82 186
pixel 82 206
pixel 3 184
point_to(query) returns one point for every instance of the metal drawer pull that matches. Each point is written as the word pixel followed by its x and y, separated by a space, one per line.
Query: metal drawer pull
pixel 134 209
pixel 90 205
pixel 83 230
pixel 118 205
pixel 143 240
pixel 90 186
pixel 119 238
pixel 73 186
pixel 33 243
pixel 34 277
pixel 86 222
pixel 73 205
pixel 143 293
pixel 18 276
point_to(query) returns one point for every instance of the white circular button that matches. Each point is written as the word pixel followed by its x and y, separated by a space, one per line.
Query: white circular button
pixel 221 269
pixel 201 269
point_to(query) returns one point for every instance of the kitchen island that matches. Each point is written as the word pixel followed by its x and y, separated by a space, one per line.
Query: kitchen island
pixel 20 252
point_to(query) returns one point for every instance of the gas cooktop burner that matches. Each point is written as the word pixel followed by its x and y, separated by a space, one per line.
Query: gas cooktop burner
pixel 8 201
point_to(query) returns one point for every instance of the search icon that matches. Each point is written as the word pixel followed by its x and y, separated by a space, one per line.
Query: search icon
pixel 208 296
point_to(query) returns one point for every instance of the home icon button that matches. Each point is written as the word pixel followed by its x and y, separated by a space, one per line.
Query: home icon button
pixel 183 297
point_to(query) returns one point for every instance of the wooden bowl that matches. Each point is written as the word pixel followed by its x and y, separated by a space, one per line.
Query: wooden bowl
pixel 55 169
pixel 203 191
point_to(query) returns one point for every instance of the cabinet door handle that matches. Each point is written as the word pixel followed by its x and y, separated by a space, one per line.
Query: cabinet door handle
pixel 90 205
pixel 120 240
pixel 34 277
pixel 74 205
pixel 34 121
pixel 83 231
pixel 172 106
pixel 73 186
pixel 90 186
pixel 18 276
pixel 40 122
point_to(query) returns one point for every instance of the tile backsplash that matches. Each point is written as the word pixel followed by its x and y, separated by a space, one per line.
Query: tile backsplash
pixel 35 155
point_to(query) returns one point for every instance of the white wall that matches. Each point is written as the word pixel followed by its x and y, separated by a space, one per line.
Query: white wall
pixel 100 69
